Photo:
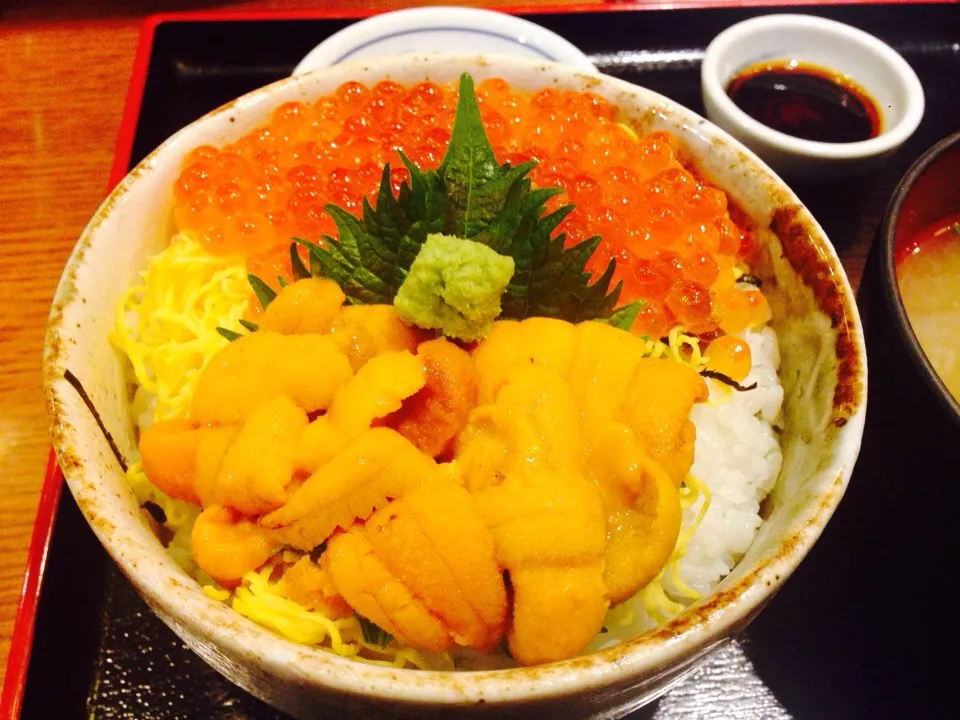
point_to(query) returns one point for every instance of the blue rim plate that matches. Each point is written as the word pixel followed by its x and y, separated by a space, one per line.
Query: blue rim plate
pixel 443 29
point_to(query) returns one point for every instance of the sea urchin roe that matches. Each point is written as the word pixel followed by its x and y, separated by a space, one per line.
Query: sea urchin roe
pixel 272 184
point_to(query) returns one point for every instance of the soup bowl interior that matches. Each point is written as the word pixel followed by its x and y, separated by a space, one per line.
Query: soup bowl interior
pixel 925 195
pixel 823 372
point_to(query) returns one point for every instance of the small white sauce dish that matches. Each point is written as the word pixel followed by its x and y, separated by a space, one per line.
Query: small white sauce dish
pixel 444 29
pixel 870 63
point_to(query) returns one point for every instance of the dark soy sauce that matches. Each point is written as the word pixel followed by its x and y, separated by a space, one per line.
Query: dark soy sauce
pixel 805 101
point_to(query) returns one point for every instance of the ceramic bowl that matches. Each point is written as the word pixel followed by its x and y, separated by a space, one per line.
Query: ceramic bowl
pixel 872 64
pixel 443 29
pixel 925 195
pixel 823 372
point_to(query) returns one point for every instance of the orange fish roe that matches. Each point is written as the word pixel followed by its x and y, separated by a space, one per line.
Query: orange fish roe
pixel 670 232
pixel 251 197
pixel 729 355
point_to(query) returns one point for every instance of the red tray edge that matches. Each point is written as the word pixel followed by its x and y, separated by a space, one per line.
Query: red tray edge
pixel 21 640
pixel 515 9
pixel 22 637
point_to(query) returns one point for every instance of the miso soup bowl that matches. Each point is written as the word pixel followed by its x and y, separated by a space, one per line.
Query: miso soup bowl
pixel 823 372
pixel 927 193
pixel 929 413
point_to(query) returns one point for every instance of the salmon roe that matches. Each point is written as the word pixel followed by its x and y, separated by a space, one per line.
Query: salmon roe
pixel 729 355
pixel 671 233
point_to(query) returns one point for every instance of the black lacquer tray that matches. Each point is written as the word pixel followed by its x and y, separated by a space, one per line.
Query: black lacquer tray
pixel 864 627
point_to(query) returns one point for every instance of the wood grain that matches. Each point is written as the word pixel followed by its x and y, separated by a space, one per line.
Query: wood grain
pixel 64 69
pixel 63 88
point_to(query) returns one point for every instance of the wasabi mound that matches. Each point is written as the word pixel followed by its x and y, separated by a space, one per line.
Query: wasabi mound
pixel 454 285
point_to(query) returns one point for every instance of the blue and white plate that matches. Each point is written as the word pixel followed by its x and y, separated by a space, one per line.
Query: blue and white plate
pixel 443 29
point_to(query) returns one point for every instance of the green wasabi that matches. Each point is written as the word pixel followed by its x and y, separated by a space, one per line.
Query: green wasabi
pixel 454 285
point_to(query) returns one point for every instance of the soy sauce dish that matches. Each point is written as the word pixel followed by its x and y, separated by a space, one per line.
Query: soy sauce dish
pixel 814 98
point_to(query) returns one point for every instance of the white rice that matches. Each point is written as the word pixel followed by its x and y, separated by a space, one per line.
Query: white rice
pixel 737 456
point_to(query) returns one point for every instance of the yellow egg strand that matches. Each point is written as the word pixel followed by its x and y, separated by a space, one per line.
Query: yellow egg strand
pixel 259 599
pixel 658 604
pixel 681 346
pixel 167 325
pixel 179 515
pixel 692 489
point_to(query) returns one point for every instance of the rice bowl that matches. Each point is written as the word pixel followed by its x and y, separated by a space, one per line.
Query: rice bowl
pixel 807 345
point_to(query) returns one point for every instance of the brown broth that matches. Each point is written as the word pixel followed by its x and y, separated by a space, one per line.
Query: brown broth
pixel 806 101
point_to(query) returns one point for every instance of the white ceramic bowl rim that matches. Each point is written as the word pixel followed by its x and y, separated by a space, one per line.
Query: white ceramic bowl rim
pixel 344 45
pixel 689 636
pixel 888 139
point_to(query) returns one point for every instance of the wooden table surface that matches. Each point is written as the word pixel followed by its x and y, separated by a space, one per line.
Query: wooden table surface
pixel 64 69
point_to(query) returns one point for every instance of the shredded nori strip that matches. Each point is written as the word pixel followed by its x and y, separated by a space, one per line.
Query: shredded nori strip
pixel 318 551
pixel 751 280
pixel 156 512
pixel 727 380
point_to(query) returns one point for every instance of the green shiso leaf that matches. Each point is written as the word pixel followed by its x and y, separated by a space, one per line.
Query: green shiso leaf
pixel 229 334
pixel 469 196
pixel 265 294
pixel 372 633
pixel 623 317
pixel 300 272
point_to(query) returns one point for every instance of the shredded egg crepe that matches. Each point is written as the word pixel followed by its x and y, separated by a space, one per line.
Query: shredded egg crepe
pixel 167 325
pixel 259 600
